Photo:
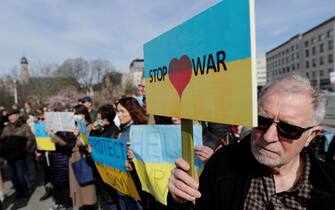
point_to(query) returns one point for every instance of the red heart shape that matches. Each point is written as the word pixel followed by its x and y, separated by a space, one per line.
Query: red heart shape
pixel 180 73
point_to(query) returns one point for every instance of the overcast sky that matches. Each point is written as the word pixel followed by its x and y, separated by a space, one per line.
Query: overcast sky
pixel 50 31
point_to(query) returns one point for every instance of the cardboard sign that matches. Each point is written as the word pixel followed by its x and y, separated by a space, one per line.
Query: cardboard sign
pixel 43 140
pixel 110 156
pixel 204 69
pixel 60 121
pixel 156 149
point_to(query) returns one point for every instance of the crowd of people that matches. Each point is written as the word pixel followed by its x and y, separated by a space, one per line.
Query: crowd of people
pixel 270 166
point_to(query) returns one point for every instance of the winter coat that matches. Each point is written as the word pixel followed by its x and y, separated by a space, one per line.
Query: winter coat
pixel 85 195
pixel 225 181
pixel 16 141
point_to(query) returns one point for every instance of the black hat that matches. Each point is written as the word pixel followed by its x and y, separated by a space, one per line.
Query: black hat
pixel 13 111
pixel 85 99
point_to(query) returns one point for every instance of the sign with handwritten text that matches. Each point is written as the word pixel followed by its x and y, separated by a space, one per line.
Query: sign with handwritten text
pixel 156 148
pixel 110 156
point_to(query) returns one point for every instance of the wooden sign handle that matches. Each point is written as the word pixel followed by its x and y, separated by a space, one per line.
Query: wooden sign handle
pixel 187 144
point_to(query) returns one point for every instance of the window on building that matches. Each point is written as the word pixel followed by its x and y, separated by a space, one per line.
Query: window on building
pixel 321 48
pixel 330 33
pixel 321 60
pixel 313 74
pixel 292 47
pixel 321 73
pixel 293 67
pixel 292 57
pixel 313 51
pixel 321 37
pixel 330 70
pixel 298 66
pixel 307 53
pixel 313 62
pixel 306 43
pixel 313 40
pixel 307 75
pixel 307 64
pixel 297 55
pixel 330 44
pixel 330 58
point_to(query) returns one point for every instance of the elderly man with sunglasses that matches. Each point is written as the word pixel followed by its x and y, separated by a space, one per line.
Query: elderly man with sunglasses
pixel 273 167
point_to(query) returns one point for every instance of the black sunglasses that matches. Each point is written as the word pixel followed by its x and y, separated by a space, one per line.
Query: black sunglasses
pixel 284 129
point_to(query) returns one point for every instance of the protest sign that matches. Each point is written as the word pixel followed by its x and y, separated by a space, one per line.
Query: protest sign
pixel 81 124
pixel 43 140
pixel 204 69
pixel 156 148
pixel 110 156
pixel 60 121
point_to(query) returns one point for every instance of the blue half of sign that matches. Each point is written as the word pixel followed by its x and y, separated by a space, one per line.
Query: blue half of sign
pixel 161 143
pixel 224 27
pixel 108 151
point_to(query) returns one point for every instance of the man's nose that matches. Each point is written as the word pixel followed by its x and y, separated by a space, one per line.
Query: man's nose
pixel 271 134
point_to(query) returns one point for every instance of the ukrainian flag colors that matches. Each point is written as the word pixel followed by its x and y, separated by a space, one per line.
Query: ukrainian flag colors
pixel 215 77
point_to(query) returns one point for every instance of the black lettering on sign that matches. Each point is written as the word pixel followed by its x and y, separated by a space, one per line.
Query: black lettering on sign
pixel 158 74
pixel 220 57
pixel 199 66
pixel 211 62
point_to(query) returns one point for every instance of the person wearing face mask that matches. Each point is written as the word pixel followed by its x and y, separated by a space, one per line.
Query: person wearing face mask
pixel 105 127
pixel 83 197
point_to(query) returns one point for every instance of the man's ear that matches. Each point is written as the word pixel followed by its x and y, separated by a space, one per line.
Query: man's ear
pixel 314 132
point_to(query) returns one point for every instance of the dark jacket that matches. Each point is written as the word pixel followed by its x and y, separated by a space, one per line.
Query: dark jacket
pixel 225 181
pixel 59 159
pixel 16 141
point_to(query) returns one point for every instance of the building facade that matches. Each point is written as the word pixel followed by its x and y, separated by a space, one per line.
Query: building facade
pixel 261 70
pixel 310 54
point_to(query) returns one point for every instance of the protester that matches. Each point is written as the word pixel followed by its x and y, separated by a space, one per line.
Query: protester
pixel 131 113
pixel 108 197
pixel 17 141
pixel 272 168
pixel 140 93
pixel 88 103
pixel 83 197
pixel 58 165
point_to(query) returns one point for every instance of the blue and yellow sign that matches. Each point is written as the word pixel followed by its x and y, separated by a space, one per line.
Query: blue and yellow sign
pixel 43 140
pixel 110 156
pixel 204 69
pixel 156 148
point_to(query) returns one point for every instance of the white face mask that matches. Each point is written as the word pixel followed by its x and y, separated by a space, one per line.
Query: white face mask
pixel 117 120
pixel 100 122
pixel 78 117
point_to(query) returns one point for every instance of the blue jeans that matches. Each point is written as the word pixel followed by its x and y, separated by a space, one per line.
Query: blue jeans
pixel 18 171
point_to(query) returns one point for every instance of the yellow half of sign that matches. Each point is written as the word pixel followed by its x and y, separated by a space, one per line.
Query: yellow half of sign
pixel 45 143
pixel 223 96
pixel 121 181
pixel 85 138
pixel 154 178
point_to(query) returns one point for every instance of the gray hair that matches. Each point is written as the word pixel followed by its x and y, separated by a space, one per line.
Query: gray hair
pixel 296 84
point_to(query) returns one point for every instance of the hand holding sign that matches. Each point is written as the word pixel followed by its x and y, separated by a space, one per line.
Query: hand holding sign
pixel 181 185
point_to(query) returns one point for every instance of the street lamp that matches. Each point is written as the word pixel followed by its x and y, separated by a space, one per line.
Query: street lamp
pixel 15 91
